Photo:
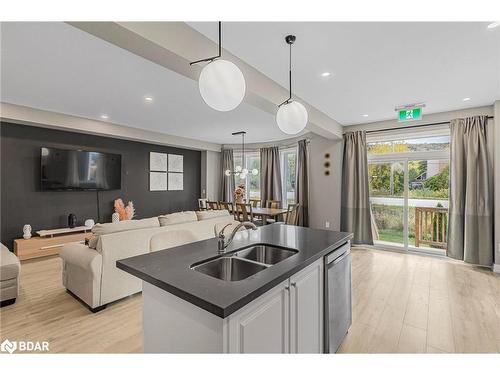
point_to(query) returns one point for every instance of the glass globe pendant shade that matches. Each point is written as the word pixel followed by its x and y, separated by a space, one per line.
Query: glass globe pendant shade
pixel 238 168
pixel 222 85
pixel 244 171
pixel 243 175
pixel 292 117
pixel 227 172
pixel 255 172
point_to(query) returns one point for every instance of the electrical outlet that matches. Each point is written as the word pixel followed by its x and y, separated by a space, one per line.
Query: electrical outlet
pixel 327 224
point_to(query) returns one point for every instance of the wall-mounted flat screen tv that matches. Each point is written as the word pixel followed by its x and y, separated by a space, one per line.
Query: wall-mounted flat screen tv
pixel 79 170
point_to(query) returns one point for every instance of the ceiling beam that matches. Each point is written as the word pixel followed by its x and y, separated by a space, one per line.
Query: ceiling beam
pixel 53 120
pixel 174 44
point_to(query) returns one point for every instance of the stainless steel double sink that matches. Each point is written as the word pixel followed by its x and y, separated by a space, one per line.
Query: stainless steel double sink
pixel 243 263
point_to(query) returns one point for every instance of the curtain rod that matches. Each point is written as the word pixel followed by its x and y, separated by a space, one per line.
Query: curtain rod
pixel 249 147
pixel 412 127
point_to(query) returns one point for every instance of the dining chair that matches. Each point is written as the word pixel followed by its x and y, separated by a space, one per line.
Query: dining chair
pixel 202 204
pixel 255 202
pixel 273 204
pixel 244 212
pixel 211 205
pixel 292 214
pixel 228 206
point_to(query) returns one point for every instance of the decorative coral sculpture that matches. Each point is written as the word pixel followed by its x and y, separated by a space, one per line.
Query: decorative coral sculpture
pixel 125 213
pixel 130 210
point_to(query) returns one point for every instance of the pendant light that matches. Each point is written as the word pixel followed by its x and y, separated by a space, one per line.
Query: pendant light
pixel 292 115
pixel 241 171
pixel 221 83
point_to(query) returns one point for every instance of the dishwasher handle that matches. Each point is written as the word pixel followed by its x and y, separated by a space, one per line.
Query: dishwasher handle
pixel 341 252
pixel 339 259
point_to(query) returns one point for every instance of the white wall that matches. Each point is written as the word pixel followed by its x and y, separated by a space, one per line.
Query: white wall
pixel 497 184
pixel 210 175
pixel 325 191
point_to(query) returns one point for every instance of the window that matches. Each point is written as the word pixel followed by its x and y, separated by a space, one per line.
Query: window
pixel 251 182
pixel 396 146
pixel 288 160
pixel 288 175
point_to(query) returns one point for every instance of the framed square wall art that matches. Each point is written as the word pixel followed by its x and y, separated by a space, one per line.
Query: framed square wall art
pixel 175 181
pixel 158 162
pixel 175 163
pixel 158 181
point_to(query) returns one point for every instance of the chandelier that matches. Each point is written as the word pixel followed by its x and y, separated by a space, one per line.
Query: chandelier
pixel 241 170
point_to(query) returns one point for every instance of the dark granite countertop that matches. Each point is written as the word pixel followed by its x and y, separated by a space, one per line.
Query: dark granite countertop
pixel 171 271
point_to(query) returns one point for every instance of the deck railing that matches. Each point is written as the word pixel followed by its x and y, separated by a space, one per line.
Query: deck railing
pixel 431 226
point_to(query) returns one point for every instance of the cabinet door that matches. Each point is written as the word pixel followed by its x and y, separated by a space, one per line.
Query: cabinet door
pixel 306 309
pixel 262 326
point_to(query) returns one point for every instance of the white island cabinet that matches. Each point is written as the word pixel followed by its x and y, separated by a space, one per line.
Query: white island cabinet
pixel 286 319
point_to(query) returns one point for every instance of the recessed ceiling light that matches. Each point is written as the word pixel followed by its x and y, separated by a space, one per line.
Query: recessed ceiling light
pixel 493 25
pixel 365 115
pixel 325 74
pixel 104 117
pixel 148 99
pixel 465 99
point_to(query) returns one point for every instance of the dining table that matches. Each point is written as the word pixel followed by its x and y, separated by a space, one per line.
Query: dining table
pixel 265 212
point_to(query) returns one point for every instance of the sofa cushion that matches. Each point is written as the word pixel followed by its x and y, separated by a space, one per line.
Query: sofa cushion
pixel 122 226
pixel 166 240
pixel 9 264
pixel 125 225
pixel 204 215
pixel 177 218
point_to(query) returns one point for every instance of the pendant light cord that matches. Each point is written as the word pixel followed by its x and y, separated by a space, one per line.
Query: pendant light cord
pixel 290 39
pixel 210 59
pixel 290 74
pixel 220 38
pixel 244 159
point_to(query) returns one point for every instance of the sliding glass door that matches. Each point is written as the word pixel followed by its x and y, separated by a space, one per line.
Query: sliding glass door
pixel 387 202
pixel 409 187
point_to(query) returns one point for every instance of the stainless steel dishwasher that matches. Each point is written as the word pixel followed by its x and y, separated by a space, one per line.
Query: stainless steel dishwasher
pixel 338 309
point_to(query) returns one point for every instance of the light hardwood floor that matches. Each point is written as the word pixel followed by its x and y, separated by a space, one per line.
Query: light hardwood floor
pixel 402 303
pixel 44 311
pixel 407 303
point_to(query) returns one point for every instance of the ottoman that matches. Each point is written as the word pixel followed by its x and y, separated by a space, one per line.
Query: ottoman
pixel 9 276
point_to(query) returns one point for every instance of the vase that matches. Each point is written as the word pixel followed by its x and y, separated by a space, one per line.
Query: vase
pixel 27 231
pixel 89 223
pixel 71 220
pixel 115 218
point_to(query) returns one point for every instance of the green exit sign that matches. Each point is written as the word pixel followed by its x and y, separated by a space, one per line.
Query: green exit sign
pixel 410 114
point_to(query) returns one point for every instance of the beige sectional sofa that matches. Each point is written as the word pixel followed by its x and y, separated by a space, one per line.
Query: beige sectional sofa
pixel 90 273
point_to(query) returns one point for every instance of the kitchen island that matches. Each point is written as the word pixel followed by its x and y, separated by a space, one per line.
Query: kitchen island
pixel 275 307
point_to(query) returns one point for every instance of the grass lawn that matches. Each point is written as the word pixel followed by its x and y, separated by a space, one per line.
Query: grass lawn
pixel 394 235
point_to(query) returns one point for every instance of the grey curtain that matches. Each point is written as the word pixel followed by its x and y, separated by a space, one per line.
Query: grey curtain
pixel 302 184
pixel 355 210
pixel 227 182
pixel 270 174
pixel 470 233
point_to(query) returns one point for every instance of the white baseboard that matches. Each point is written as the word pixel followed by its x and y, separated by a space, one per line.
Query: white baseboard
pixel 496 268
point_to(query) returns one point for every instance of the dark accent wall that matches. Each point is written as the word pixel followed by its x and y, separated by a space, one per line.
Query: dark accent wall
pixel 22 202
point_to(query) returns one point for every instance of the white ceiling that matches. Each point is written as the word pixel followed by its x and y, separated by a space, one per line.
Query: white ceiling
pixel 374 66
pixel 56 67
